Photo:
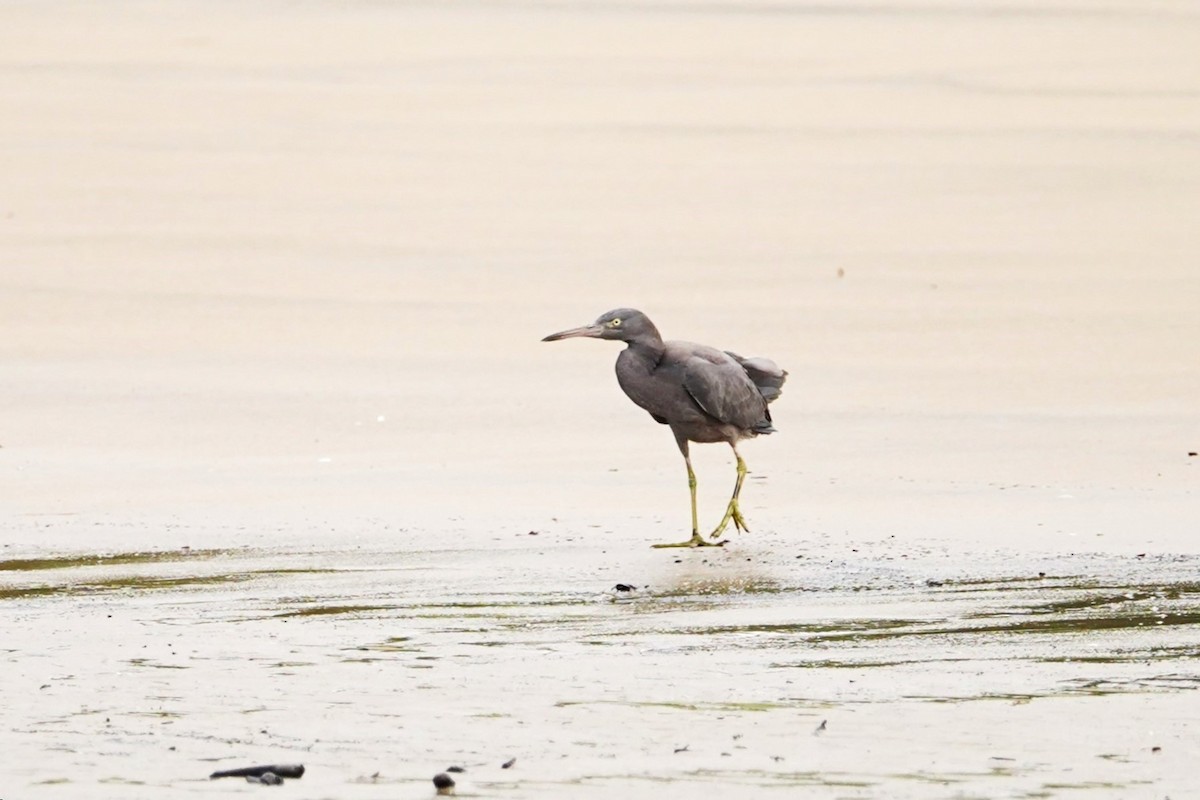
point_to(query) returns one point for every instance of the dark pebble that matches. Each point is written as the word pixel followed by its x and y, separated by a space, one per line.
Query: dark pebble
pixel 267 778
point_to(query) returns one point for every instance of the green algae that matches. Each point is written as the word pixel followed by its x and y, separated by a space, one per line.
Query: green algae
pixel 121 584
pixel 109 559
pixel 334 610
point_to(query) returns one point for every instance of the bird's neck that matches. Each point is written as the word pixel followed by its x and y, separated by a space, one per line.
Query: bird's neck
pixel 648 349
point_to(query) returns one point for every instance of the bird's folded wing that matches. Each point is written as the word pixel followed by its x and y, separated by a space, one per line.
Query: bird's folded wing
pixel 723 390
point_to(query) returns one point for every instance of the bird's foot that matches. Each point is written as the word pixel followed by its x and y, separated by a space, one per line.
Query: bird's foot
pixel 696 541
pixel 731 513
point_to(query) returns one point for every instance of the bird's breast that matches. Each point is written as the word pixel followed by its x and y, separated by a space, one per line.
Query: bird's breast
pixel 654 388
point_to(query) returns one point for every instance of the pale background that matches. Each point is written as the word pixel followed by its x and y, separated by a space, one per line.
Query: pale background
pixel 235 236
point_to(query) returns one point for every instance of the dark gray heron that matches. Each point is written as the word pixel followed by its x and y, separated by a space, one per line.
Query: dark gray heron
pixel 703 394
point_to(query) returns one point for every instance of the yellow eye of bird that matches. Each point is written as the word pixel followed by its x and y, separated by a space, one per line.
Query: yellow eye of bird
pixel 616 323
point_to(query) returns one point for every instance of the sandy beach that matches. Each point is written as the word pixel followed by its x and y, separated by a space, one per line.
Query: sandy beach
pixel 287 475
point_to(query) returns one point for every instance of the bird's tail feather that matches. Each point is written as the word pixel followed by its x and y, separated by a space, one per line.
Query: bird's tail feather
pixel 765 373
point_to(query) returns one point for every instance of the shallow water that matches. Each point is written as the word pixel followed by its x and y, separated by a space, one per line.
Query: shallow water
pixel 865 675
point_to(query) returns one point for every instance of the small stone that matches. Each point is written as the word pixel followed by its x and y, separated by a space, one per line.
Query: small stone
pixel 267 779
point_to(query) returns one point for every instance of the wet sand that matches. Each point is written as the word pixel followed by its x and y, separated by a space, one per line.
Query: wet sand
pixel 286 475
pixel 848 674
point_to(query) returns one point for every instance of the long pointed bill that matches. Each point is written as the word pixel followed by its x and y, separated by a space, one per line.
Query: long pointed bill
pixel 590 331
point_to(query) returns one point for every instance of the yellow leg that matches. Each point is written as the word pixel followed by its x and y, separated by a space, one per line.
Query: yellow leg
pixel 697 540
pixel 732 512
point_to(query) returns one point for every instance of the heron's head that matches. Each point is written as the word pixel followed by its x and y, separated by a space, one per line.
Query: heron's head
pixel 624 324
